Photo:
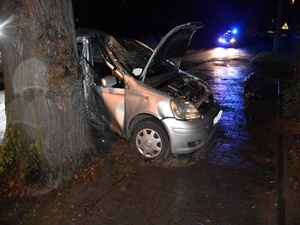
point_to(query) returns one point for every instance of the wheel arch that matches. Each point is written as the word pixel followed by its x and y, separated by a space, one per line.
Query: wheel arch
pixel 140 117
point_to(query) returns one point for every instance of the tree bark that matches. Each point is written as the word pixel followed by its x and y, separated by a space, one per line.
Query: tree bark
pixel 46 120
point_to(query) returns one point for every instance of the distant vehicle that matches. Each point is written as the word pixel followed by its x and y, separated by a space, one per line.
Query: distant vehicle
pixel 142 95
pixel 229 38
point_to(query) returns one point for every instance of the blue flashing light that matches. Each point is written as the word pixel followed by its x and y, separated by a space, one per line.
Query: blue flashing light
pixel 234 31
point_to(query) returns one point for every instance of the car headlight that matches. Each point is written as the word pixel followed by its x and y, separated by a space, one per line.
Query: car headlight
pixel 184 110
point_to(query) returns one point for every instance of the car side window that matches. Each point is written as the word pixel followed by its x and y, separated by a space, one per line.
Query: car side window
pixel 100 66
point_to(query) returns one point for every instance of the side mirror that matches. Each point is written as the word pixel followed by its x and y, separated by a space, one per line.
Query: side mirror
pixel 108 81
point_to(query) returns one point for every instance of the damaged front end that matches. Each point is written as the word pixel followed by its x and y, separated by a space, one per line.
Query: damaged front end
pixel 189 89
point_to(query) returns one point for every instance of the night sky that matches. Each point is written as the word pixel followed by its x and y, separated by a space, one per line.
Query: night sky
pixel 138 17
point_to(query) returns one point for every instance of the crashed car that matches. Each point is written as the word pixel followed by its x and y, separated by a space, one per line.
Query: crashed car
pixel 143 96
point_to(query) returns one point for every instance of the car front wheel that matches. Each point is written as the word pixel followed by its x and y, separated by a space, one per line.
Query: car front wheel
pixel 150 141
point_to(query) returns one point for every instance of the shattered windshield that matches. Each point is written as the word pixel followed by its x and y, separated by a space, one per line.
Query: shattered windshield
pixel 131 54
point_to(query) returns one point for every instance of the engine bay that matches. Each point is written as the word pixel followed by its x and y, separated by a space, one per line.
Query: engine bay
pixel 186 88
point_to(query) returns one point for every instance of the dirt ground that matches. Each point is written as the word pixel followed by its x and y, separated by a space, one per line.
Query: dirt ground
pixel 102 173
pixel 291 182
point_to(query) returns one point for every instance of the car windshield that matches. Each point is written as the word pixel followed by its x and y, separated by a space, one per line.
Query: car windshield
pixel 132 54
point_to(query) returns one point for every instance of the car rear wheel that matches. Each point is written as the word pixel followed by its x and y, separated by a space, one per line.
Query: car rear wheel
pixel 150 141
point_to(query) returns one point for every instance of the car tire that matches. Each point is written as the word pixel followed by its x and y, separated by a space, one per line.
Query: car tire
pixel 149 141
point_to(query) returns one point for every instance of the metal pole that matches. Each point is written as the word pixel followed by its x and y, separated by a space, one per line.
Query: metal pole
pixel 278 24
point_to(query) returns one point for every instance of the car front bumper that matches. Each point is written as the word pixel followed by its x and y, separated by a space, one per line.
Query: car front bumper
pixel 190 136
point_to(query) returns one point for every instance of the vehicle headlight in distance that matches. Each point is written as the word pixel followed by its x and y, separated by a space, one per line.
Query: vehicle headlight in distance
pixel 184 110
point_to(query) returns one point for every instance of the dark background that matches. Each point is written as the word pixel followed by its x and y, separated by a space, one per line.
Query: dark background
pixel 139 18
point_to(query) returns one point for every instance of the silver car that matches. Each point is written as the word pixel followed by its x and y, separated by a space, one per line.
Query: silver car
pixel 142 95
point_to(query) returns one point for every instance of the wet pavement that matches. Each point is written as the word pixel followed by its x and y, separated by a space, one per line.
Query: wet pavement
pixel 235 179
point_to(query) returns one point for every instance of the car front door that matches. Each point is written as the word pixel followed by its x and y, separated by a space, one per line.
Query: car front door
pixel 111 95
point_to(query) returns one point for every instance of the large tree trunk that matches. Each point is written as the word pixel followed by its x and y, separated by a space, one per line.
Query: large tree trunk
pixel 46 129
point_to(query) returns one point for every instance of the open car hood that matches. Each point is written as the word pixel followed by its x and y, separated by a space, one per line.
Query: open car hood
pixel 173 46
